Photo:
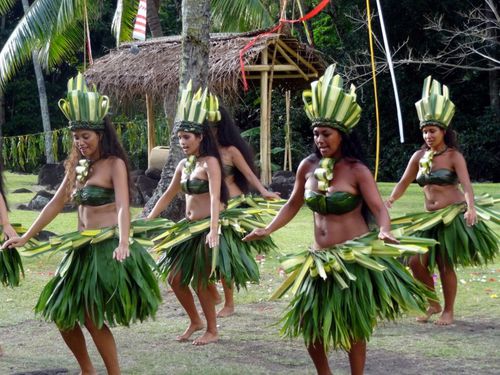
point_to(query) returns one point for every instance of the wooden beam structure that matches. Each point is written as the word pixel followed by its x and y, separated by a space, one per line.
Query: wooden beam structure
pixel 295 67
pixel 151 125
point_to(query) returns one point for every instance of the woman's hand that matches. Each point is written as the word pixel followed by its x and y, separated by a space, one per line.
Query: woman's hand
pixel 388 203
pixel 9 231
pixel 212 239
pixel 270 195
pixel 122 252
pixel 387 236
pixel 470 216
pixel 14 242
pixel 256 234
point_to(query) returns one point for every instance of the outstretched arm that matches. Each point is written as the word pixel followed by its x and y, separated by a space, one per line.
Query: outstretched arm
pixel 48 214
pixel 240 163
pixel 408 177
pixel 289 210
pixel 170 193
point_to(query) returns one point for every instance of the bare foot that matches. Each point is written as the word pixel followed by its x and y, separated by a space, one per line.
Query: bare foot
pixel 207 338
pixel 189 331
pixel 430 311
pixel 445 319
pixel 225 312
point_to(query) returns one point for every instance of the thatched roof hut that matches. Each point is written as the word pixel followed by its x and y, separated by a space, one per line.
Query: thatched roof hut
pixel 150 70
pixel 152 67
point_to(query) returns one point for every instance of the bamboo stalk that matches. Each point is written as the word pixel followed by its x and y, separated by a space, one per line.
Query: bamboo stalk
pixel 151 125
pixel 287 58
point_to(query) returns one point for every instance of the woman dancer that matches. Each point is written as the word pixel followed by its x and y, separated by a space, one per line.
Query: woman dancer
pixel 199 176
pixel 342 285
pixel 239 170
pixel 96 282
pixel 438 168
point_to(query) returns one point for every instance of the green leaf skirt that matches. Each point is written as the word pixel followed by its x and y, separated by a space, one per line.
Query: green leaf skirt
pixel 460 244
pixel 342 303
pixel 322 311
pixel 184 250
pixel 11 267
pixel 89 282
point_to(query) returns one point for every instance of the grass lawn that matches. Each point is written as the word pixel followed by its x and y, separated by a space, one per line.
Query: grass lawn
pixel 250 342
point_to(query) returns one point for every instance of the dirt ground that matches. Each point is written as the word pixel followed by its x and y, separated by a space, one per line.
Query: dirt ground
pixel 250 344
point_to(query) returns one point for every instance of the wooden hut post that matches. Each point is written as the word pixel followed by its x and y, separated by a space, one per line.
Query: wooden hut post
pixel 151 125
pixel 265 153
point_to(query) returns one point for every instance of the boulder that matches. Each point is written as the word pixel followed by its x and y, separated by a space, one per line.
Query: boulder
pixel 145 187
pixel 51 175
pixel 22 191
pixel 136 173
pixel 282 182
pixel 40 200
pixel 153 173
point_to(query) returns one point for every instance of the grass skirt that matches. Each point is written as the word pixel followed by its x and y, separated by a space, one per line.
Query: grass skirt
pixel 11 265
pixel 458 244
pixel 340 293
pixel 89 281
pixel 182 248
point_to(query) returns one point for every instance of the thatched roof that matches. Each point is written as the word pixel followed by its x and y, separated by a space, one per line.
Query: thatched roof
pixel 152 67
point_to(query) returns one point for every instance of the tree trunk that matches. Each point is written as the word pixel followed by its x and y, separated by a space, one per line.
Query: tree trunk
pixel 153 19
pixel 494 86
pixel 194 65
pixel 2 99
pixel 42 94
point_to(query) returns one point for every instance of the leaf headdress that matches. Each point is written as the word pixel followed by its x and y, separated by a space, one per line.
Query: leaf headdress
pixel 435 107
pixel 83 108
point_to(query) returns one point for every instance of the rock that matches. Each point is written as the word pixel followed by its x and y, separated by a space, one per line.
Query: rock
pixel 22 206
pixel 146 187
pixel 44 235
pixel 153 173
pixel 22 191
pixel 40 200
pixel 51 175
pixel 136 173
pixel 282 182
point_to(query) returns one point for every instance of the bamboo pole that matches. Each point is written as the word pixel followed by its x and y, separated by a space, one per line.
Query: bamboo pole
pixel 288 144
pixel 264 124
pixel 151 125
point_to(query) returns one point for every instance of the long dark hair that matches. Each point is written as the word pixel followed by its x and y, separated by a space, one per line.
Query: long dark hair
pixel 228 134
pixel 109 145
pixel 450 139
pixel 208 147
pixel 2 185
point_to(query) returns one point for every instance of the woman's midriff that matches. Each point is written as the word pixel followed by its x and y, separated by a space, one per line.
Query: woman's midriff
pixel 233 189
pixel 198 206
pixel 437 197
pixel 96 217
pixel 331 230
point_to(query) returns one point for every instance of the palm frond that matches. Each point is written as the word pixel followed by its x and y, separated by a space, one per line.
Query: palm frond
pixel 6 5
pixel 123 20
pixel 240 15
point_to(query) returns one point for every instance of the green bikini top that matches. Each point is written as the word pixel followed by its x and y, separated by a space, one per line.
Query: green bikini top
pixel 438 177
pixel 194 186
pixel 337 203
pixel 92 195
pixel 229 170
